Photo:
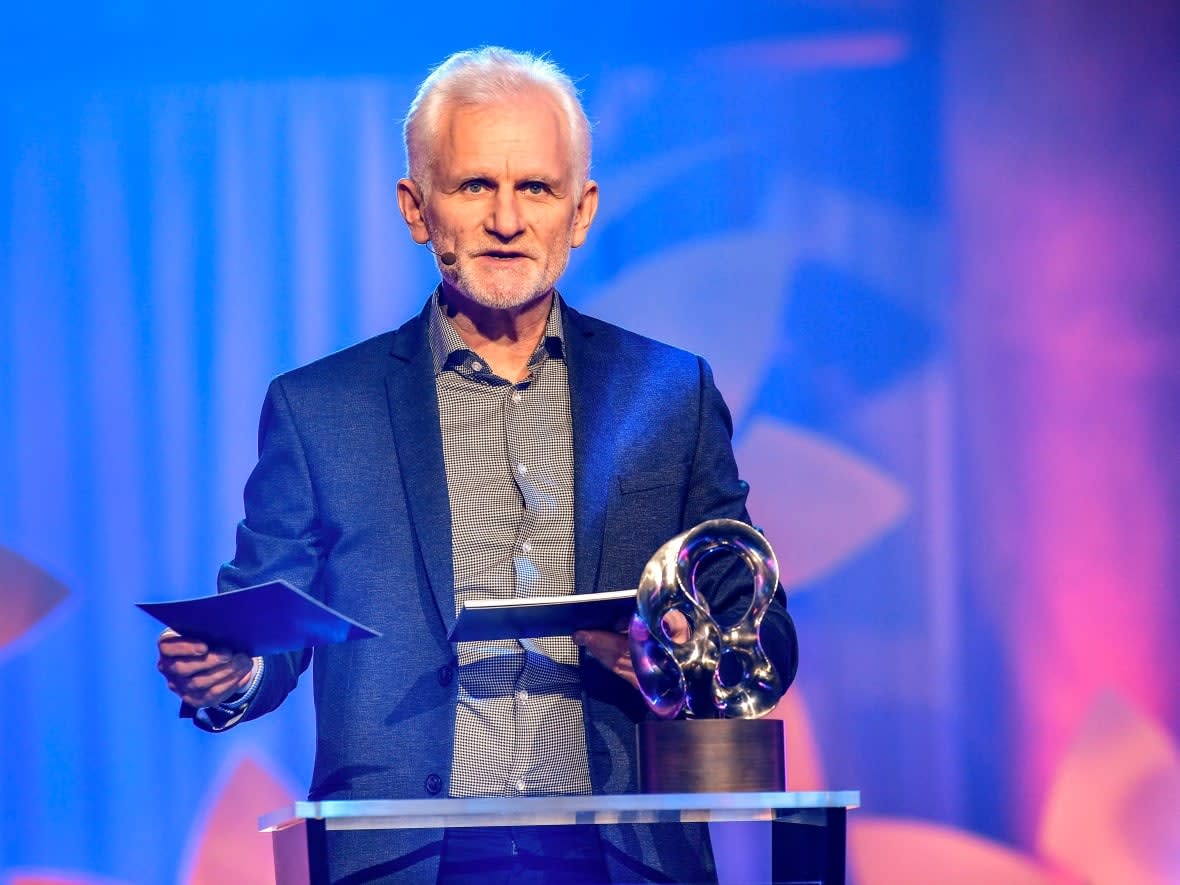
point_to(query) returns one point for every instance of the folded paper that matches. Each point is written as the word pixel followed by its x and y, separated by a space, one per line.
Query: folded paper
pixel 263 619
pixel 522 617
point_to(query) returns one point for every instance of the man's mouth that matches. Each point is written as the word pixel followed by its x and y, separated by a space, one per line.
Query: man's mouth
pixel 502 254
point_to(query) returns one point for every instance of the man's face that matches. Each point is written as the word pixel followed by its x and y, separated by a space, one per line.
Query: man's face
pixel 502 199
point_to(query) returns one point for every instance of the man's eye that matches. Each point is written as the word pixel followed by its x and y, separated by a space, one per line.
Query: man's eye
pixel 474 187
pixel 535 188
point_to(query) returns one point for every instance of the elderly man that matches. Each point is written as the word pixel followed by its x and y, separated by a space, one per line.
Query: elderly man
pixel 498 444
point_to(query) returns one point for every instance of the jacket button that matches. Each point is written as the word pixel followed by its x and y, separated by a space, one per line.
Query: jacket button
pixel 445 674
pixel 433 784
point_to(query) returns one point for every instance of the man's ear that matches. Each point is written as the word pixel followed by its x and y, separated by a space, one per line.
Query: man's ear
pixel 584 214
pixel 413 209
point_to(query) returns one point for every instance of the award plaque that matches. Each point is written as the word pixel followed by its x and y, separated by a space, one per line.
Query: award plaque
pixel 712 688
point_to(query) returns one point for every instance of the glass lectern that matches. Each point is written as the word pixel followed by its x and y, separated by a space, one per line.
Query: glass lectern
pixel 807 828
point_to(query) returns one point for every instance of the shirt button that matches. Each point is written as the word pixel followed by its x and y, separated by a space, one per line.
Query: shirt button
pixel 476 366
pixel 520 786
pixel 526 547
pixel 522 695
pixel 521 469
pixel 516 396
pixel 433 784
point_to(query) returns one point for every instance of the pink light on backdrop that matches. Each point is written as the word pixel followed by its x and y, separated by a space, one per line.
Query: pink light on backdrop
pixel 805 766
pixel 1113 818
pixel 885 851
pixel 1113 815
pixel 1066 272
pixel 225 845
pixel 30 594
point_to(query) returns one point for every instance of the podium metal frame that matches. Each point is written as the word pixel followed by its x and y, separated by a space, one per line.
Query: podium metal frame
pixel 807 828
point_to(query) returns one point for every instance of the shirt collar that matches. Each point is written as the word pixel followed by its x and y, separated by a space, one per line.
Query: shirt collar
pixel 448 349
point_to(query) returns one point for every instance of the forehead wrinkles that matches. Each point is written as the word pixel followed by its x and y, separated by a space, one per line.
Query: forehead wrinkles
pixel 528 135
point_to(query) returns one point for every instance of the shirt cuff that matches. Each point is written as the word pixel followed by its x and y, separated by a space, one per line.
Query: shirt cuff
pixel 241 702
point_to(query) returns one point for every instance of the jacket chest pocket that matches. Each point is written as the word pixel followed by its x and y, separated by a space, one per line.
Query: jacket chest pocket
pixel 644 512
pixel 664 479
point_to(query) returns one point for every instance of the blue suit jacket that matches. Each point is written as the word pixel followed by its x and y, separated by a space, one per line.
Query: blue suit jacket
pixel 349 501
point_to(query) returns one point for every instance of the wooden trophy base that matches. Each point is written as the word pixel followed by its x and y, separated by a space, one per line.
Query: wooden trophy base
pixel 711 756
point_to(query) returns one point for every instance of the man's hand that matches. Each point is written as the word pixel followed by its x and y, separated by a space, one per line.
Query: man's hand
pixel 613 650
pixel 200 676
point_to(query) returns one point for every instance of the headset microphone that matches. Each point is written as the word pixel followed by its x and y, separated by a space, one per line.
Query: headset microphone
pixel 447 258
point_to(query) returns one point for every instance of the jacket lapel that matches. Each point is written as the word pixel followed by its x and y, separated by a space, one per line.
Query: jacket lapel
pixel 413 409
pixel 591 410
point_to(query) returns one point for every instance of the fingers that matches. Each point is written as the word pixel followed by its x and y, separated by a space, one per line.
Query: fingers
pixel 224 685
pixel 675 626
pixel 201 676
pixel 232 670
pixel 210 690
pixel 172 644
pixel 612 650
pixel 211 696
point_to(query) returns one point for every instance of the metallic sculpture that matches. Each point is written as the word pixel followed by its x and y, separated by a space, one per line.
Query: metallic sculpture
pixel 719 672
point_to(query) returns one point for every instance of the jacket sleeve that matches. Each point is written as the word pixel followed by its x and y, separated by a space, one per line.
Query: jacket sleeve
pixel 279 538
pixel 716 492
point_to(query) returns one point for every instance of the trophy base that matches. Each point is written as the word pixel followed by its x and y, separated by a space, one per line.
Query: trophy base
pixel 711 756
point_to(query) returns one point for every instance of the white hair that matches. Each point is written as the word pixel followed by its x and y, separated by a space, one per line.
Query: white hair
pixel 483 76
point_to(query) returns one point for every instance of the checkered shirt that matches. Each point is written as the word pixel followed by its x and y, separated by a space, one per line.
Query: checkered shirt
pixel 508 450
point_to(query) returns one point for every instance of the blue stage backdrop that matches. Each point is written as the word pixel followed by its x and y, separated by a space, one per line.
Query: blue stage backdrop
pixel 929 252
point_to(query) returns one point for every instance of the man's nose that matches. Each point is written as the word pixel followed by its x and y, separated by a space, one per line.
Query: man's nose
pixel 505 221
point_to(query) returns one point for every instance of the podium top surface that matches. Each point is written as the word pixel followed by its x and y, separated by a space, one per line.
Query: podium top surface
pixel 631 808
